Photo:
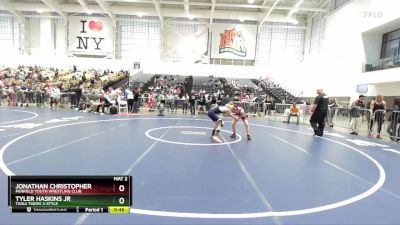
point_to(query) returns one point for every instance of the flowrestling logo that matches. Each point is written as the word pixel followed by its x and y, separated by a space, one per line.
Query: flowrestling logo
pixel 232 41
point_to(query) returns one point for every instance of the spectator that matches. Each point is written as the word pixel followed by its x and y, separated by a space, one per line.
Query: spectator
pixel 161 104
pixel 129 97
pixel 55 95
pixel 185 104
pixel 332 110
pixel 78 91
pixel 394 128
pixel 202 104
pixel 104 102
pixel 136 103
pixel 176 102
pixel 356 112
pixel 170 101
pixel 269 106
pixel 1 91
pixel 378 109
pixel 151 101
pixel 192 104
pixel 294 111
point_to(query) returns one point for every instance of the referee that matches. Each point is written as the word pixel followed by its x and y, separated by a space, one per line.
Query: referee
pixel 319 111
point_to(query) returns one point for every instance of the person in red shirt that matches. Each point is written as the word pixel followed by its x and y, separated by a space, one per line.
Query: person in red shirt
pixel 244 117
pixel 151 101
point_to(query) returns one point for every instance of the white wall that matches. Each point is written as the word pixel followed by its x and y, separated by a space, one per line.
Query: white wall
pixel 60 33
pixel 382 76
pixel 33 36
pixel 387 89
pixel 372 43
pixel 338 67
pixel 46 36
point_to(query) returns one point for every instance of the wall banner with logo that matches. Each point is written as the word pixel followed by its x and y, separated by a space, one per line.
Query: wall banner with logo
pixel 90 36
pixel 233 41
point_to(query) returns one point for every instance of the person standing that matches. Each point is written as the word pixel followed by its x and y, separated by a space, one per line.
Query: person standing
pixel 161 103
pixel 78 91
pixel 136 103
pixel 319 111
pixel 185 103
pixel 378 109
pixel 332 111
pixel 393 128
pixel 1 91
pixel 192 104
pixel 129 97
pixel 356 114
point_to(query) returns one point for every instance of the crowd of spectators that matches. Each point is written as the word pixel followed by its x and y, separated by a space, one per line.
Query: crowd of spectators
pixel 40 85
pixel 92 91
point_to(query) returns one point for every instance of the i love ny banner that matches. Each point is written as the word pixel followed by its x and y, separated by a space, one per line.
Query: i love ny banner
pixel 90 35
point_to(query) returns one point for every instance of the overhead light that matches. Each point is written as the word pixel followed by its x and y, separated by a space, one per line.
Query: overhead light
pixel 241 19
pixel 250 1
pixel 292 21
pixel 299 3
pixel 88 12
pixel 140 15
pixel 39 10
pixel 190 17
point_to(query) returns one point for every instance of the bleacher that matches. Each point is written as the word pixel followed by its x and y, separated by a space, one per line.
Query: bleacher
pixel 141 78
pixel 241 84
pixel 276 91
pixel 208 84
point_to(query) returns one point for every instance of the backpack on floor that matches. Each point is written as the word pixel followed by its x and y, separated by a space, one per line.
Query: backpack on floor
pixel 113 110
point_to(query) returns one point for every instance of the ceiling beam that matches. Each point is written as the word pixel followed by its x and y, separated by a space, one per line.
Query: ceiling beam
pixel 54 5
pixel 104 6
pixel 12 11
pixel 157 6
pixel 268 13
pixel 248 6
pixel 212 14
pixel 295 9
pixel 84 6
pixel 186 6
pixel 321 5
pixel 149 11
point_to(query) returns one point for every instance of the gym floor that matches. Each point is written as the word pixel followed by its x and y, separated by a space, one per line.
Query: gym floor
pixel 284 175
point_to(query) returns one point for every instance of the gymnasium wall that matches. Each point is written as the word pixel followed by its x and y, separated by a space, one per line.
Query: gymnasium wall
pixel 338 65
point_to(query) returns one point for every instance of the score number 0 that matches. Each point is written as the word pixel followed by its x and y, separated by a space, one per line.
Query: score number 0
pixel 121 200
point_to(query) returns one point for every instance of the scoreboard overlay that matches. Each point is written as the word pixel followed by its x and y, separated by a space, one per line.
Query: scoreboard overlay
pixel 73 194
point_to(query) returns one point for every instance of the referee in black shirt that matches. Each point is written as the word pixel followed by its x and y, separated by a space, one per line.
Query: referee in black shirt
pixel 319 111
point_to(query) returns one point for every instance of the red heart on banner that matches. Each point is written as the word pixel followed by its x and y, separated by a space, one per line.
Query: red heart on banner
pixel 95 25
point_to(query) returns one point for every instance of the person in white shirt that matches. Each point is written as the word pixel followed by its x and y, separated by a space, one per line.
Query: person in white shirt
pixel 55 95
pixel 214 113
pixel 129 97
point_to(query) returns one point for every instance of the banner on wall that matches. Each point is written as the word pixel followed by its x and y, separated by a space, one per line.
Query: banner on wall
pixel 90 36
pixel 233 41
